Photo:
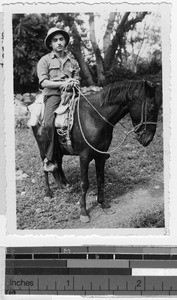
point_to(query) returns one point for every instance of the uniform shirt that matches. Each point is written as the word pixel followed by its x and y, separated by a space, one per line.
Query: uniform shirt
pixel 52 67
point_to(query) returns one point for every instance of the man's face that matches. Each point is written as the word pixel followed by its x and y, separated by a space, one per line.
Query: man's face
pixel 58 42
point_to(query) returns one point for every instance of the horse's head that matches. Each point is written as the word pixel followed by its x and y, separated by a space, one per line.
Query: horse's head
pixel 144 111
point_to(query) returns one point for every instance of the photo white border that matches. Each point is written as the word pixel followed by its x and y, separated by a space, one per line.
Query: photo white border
pixel 9 126
pixel 9 240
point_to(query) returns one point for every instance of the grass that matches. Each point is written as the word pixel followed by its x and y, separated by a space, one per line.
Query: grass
pixel 129 167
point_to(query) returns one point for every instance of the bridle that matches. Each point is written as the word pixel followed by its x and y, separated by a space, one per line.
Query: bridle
pixel 143 118
pixel 135 129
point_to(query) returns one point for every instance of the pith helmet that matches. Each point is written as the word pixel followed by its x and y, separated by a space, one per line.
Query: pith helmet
pixel 52 31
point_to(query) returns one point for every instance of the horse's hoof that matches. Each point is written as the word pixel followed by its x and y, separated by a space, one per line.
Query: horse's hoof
pixel 109 211
pixel 84 219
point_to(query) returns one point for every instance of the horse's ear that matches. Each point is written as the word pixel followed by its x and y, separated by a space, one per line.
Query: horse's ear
pixel 150 84
pixel 149 88
pixel 154 89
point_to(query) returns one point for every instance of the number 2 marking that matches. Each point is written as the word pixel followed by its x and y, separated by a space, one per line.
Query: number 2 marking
pixel 138 283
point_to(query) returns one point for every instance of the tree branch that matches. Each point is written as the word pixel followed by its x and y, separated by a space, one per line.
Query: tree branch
pixel 124 26
pixel 131 23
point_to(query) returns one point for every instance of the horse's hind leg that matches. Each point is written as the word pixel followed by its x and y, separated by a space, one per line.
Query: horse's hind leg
pixel 60 177
pixel 84 164
pixel 100 163
pixel 62 174
pixel 59 174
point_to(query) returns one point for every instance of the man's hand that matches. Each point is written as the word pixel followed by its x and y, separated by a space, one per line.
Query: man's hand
pixel 68 83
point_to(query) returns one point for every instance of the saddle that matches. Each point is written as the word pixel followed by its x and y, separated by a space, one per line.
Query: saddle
pixel 65 118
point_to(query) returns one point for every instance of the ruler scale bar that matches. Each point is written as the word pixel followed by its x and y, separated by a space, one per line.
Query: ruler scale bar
pixel 91 270
pixel 71 271
pixel 94 249
pixel 92 256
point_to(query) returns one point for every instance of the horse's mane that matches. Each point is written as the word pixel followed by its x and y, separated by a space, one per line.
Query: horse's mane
pixel 118 91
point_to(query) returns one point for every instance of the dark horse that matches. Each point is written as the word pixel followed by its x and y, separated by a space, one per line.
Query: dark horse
pixel 93 127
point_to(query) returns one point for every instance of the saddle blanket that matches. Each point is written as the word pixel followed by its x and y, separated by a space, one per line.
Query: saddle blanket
pixel 36 110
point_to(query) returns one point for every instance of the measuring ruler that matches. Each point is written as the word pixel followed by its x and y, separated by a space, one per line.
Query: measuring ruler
pixel 91 270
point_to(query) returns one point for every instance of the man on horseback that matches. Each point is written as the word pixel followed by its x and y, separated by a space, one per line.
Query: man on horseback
pixel 56 71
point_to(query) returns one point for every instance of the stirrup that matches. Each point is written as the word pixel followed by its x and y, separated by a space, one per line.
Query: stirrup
pixel 62 131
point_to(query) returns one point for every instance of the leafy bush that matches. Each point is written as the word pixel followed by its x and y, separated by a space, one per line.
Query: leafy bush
pixel 28 47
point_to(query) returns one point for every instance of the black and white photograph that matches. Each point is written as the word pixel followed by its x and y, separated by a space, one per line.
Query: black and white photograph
pixel 88 117
pixel 88 149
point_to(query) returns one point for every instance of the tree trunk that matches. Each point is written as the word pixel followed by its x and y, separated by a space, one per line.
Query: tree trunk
pixel 99 60
pixel 109 29
pixel 76 50
pixel 83 65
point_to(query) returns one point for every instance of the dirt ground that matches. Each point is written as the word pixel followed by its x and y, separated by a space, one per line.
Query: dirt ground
pixel 133 185
pixel 128 208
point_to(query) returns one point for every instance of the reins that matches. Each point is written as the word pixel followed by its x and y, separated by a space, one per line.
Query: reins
pixel 94 108
pixel 135 129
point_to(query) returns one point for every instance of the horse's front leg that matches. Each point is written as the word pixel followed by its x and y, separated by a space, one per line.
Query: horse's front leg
pixel 84 164
pixel 48 192
pixel 100 163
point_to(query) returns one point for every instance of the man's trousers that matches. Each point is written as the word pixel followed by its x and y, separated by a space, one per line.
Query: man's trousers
pixel 48 128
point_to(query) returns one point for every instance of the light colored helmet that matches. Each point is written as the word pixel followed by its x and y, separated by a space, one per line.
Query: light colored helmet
pixel 52 31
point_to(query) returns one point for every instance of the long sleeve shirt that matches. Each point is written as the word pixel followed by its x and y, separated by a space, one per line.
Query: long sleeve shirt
pixel 52 67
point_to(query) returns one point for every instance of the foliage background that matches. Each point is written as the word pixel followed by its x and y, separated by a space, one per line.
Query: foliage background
pixel 113 47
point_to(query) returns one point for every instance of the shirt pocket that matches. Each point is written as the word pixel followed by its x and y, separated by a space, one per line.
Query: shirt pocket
pixel 54 69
